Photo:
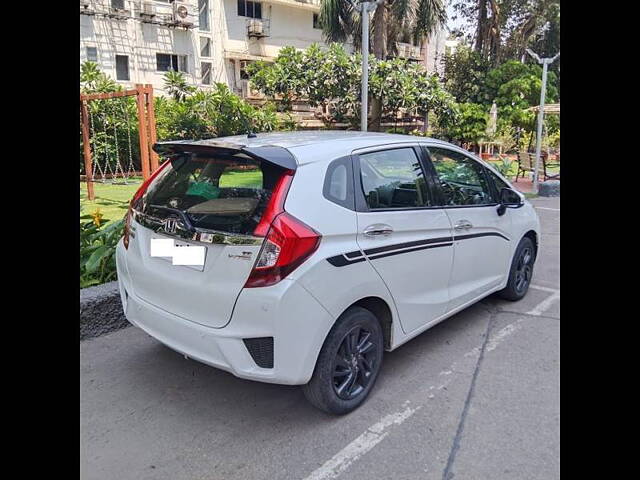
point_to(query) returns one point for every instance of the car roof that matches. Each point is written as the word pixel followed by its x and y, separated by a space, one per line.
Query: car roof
pixel 305 145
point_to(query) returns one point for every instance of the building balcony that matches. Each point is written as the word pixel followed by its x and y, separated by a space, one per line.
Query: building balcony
pixel 408 51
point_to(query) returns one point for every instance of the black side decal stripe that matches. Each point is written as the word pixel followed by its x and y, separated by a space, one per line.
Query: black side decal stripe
pixel 341 260
pixel 477 235
pixel 407 247
pixel 397 246
pixel 410 250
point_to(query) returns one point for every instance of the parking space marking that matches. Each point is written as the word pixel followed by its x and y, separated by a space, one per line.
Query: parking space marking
pixel 332 468
pixel 545 289
pixel 547 208
pixel 361 445
pixel 545 304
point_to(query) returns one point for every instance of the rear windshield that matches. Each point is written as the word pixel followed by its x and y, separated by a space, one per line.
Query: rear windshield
pixel 226 193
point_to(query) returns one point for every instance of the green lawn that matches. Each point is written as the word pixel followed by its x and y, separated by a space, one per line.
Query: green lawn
pixel 113 200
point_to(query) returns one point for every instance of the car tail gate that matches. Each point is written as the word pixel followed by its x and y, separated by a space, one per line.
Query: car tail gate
pixel 196 230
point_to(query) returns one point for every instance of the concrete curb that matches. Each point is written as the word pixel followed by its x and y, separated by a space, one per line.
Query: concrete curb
pixel 101 310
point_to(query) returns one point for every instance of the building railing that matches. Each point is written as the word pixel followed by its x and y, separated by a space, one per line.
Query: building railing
pixel 181 13
pixel 406 50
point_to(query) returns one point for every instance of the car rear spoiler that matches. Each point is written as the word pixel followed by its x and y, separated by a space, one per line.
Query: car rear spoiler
pixel 270 153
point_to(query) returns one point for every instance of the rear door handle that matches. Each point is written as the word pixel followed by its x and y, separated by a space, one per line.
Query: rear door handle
pixel 378 229
pixel 463 225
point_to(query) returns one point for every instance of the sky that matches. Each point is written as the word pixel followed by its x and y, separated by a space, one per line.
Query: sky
pixel 450 13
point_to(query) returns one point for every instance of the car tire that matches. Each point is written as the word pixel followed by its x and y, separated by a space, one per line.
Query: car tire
pixel 521 271
pixel 344 375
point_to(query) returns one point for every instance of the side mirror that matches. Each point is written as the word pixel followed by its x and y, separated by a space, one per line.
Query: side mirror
pixel 509 199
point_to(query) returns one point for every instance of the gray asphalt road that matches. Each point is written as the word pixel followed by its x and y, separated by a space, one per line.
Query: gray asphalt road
pixel 476 397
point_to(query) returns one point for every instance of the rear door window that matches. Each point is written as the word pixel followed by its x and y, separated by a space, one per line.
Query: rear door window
pixel 225 193
pixel 393 179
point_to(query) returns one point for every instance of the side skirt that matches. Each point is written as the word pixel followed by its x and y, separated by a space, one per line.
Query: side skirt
pixel 433 323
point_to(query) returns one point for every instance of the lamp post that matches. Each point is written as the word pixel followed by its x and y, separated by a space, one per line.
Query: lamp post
pixel 545 63
pixel 364 8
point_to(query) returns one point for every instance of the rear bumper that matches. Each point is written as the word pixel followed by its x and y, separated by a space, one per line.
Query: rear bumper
pixel 285 311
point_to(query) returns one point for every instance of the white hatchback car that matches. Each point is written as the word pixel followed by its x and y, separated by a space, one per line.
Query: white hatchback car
pixel 319 251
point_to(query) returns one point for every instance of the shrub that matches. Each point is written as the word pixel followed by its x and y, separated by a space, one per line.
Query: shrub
pixel 97 250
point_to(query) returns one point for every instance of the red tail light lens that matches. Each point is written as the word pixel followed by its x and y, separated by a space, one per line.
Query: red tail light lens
pixel 139 193
pixel 276 204
pixel 288 244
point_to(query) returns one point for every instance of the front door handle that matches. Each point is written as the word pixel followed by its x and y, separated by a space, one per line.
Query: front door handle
pixel 463 225
pixel 378 229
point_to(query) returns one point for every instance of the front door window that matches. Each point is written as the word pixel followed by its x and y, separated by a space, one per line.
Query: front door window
pixel 462 180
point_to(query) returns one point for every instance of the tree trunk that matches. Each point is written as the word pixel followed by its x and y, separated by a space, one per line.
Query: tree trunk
pixel 380 52
pixel 482 25
pixel 493 37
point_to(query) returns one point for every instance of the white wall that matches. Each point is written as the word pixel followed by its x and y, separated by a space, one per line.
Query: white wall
pixel 139 41
pixel 287 25
pixel 435 49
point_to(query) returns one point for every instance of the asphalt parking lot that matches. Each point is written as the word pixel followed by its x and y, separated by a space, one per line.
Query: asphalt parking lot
pixel 476 397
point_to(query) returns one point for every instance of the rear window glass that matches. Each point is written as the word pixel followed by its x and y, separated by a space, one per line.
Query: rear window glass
pixel 393 179
pixel 225 193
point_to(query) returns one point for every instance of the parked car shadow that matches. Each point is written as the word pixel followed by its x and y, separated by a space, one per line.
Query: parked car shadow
pixel 162 375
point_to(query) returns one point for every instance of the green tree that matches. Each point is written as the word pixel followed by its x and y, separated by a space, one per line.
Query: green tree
pixel 212 113
pixel 503 29
pixel 93 80
pixel 470 125
pixel 177 86
pixel 392 20
pixel 332 77
pixel 464 74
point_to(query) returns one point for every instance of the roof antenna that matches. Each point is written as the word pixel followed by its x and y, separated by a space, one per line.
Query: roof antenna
pixel 250 133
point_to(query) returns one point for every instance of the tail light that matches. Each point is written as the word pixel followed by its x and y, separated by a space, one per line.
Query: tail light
pixel 288 243
pixel 139 193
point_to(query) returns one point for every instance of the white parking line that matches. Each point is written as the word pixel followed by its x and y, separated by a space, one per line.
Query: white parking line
pixel 361 445
pixel 545 289
pixel 547 208
pixel 545 304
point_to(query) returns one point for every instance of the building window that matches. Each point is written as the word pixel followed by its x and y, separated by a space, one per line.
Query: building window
pixel 122 67
pixel 203 9
pixel 117 4
pixel 205 68
pixel 166 62
pixel 92 54
pixel 247 8
pixel 316 21
pixel 243 69
pixel 205 47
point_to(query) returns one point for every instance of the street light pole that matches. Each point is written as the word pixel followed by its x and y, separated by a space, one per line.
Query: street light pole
pixel 364 8
pixel 364 90
pixel 543 90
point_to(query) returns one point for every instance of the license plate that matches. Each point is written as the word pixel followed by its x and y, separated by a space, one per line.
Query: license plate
pixel 178 253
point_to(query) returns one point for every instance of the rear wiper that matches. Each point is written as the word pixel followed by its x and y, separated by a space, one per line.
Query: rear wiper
pixel 189 226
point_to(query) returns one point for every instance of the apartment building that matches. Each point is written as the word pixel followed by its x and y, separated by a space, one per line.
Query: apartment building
pixel 137 41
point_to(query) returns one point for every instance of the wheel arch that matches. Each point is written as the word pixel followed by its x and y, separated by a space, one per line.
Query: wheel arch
pixel 382 311
pixel 534 238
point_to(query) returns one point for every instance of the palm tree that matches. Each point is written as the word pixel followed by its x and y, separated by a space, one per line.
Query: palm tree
pixel 392 21
pixel 176 85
